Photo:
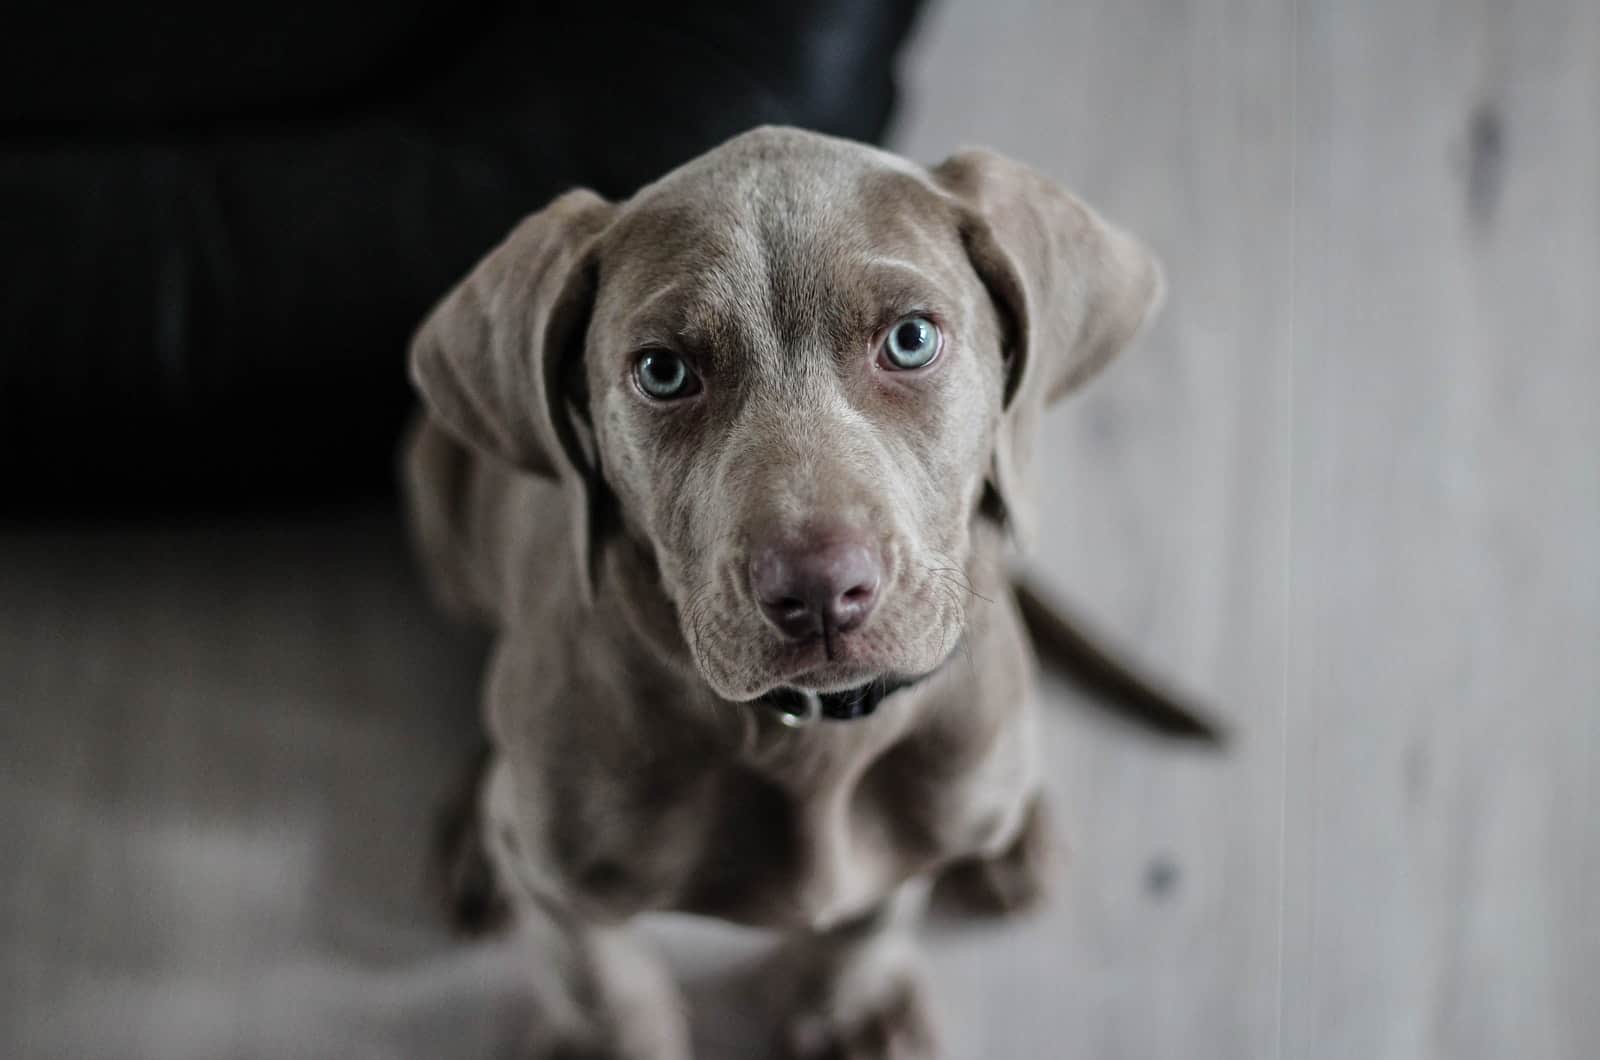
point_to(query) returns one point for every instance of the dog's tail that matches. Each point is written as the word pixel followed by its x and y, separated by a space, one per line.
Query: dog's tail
pixel 1112 684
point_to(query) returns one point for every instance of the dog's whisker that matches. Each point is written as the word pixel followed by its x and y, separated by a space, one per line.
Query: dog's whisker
pixel 956 574
pixel 954 602
pixel 965 581
pixel 958 589
pixel 964 587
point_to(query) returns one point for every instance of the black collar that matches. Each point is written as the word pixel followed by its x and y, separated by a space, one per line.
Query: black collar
pixel 799 708
pixel 796 708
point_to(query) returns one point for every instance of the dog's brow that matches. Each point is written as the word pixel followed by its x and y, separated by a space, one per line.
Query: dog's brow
pixel 894 286
pixel 891 264
pixel 670 314
pixel 670 291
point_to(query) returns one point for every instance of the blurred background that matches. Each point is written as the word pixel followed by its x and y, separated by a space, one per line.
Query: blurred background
pixel 1347 489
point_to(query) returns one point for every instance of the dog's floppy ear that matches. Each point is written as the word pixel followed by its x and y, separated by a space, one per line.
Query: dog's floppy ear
pixel 499 360
pixel 1072 290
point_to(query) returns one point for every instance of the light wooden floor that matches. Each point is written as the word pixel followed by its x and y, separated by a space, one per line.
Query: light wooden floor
pixel 1349 488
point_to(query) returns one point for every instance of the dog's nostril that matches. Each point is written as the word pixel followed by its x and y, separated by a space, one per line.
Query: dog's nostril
pixel 859 593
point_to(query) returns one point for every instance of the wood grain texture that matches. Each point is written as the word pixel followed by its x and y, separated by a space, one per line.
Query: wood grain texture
pixel 1350 486
pixel 1347 489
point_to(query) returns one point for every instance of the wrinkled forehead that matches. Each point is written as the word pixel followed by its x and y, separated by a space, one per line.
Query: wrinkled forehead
pixel 776 250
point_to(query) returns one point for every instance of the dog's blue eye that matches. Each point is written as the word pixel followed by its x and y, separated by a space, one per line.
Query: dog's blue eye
pixel 663 375
pixel 912 343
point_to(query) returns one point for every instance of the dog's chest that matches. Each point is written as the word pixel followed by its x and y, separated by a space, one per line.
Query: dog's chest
pixel 796 840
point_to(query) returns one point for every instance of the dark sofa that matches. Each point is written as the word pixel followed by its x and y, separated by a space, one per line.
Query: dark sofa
pixel 219 223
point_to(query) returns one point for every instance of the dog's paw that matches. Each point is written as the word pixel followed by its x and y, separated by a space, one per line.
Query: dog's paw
pixel 890 1023
pixel 1013 881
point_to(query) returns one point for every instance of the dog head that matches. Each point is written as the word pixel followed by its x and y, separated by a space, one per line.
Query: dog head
pixel 795 372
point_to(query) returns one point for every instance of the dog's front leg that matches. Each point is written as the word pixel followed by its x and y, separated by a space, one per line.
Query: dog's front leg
pixel 597 993
pixel 1016 879
pixel 855 991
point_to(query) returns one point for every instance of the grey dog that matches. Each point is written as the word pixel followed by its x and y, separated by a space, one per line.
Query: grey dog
pixel 733 469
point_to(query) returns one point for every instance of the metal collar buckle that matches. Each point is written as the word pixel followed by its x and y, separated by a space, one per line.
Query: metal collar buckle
pixel 798 709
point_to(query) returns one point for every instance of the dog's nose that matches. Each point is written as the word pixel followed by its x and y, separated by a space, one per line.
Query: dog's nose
pixel 816 589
